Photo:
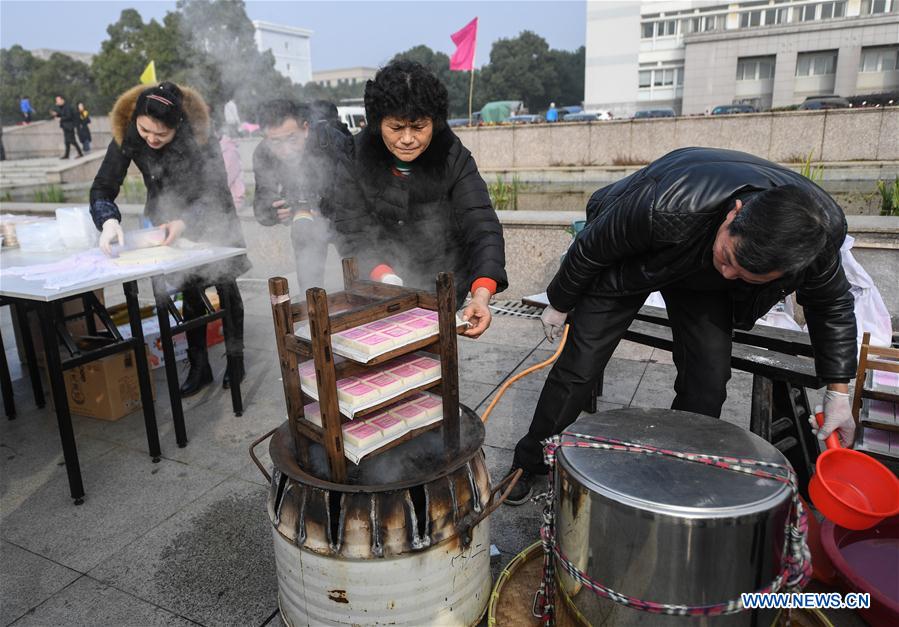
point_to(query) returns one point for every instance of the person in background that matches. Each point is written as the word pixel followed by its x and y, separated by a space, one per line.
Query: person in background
pixel 68 120
pixel 231 157
pixel 326 111
pixel 84 131
pixel 25 108
pixel 232 119
pixel 165 131
pixel 724 236
pixel 295 167
pixel 552 114
pixel 414 204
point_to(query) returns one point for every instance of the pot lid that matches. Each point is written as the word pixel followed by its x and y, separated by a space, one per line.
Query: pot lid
pixel 667 485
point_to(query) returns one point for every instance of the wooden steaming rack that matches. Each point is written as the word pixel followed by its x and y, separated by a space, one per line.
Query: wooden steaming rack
pixel 871 360
pixel 360 302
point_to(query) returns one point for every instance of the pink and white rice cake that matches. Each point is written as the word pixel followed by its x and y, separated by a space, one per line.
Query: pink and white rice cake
pixel 377 325
pixel 409 375
pixel 307 373
pixel 361 434
pixel 358 394
pixel 385 383
pixel 387 423
pixel 428 365
pixel 313 413
pixel 422 325
pixel 433 405
pixel 403 316
pixel 401 334
pixel 412 415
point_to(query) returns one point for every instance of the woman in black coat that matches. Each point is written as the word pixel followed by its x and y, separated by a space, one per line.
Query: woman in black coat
pixel 165 132
pixel 84 131
pixel 413 201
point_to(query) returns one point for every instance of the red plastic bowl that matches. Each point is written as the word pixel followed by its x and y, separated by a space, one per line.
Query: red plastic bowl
pixel 852 489
pixel 868 561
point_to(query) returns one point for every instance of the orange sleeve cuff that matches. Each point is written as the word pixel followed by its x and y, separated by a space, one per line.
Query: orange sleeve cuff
pixel 488 283
pixel 379 271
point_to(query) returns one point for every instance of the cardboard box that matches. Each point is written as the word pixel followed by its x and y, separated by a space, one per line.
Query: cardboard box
pixel 154 341
pixel 77 328
pixel 106 389
pixel 215 332
pixel 214 335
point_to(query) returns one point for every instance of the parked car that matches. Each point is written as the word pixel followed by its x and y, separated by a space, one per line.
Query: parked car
pixel 654 113
pixel 353 117
pixel 816 103
pixel 570 109
pixel 500 110
pixel 475 120
pixel 587 116
pixel 524 119
pixel 734 108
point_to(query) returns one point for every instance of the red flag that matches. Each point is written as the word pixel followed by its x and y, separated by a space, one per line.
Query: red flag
pixel 465 40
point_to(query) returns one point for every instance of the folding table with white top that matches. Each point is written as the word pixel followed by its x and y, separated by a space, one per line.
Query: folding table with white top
pixel 21 289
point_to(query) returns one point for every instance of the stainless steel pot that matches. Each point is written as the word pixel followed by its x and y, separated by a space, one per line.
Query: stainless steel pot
pixel 665 530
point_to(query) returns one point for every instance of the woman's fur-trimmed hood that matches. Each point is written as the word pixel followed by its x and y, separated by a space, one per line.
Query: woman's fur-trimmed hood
pixel 195 110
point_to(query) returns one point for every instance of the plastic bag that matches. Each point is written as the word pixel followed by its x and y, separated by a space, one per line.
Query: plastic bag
pixel 781 316
pixel 871 313
pixel 76 228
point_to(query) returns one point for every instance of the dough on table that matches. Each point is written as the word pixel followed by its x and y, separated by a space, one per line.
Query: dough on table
pixel 147 256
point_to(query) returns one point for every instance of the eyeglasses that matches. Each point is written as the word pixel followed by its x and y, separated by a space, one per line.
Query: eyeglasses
pixel 286 140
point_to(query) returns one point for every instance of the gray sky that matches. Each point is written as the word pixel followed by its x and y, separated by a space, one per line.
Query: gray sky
pixel 346 33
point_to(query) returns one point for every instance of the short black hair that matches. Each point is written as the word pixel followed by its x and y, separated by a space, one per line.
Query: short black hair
pixel 323 110
pixel 406 90
pixel 276 112
pixel 782 229
pixel 164 102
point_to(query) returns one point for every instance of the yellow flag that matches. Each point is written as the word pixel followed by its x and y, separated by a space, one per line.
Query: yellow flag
pixel 149 75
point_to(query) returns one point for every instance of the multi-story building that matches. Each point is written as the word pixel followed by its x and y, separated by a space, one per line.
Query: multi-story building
pixel 290 46
pixel 695 55
pixel 344 76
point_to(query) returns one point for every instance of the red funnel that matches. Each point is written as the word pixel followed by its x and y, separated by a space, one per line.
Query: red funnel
pixel 851 489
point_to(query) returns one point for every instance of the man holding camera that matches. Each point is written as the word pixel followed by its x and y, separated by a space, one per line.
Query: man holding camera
pixel 294 168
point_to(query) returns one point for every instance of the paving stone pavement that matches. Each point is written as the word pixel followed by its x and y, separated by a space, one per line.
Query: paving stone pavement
pixel 187 540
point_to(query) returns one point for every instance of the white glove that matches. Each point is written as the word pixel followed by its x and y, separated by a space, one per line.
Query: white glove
pixel 392 279
pixel 837 417
pixel 553 323
pixel 112 231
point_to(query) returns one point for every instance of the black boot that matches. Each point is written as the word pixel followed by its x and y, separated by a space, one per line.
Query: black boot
pixel 521 493
pixel 239 372
pixel 200 374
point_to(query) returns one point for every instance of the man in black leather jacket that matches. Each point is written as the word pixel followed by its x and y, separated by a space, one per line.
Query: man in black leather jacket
pixel 724 236
pixel 295 168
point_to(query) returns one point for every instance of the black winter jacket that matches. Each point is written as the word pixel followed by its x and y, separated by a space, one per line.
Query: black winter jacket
pixel 656 226
pixel 185 180
pixel 437 219
pixel 84 129
pixel 68 117
pixel 312 181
